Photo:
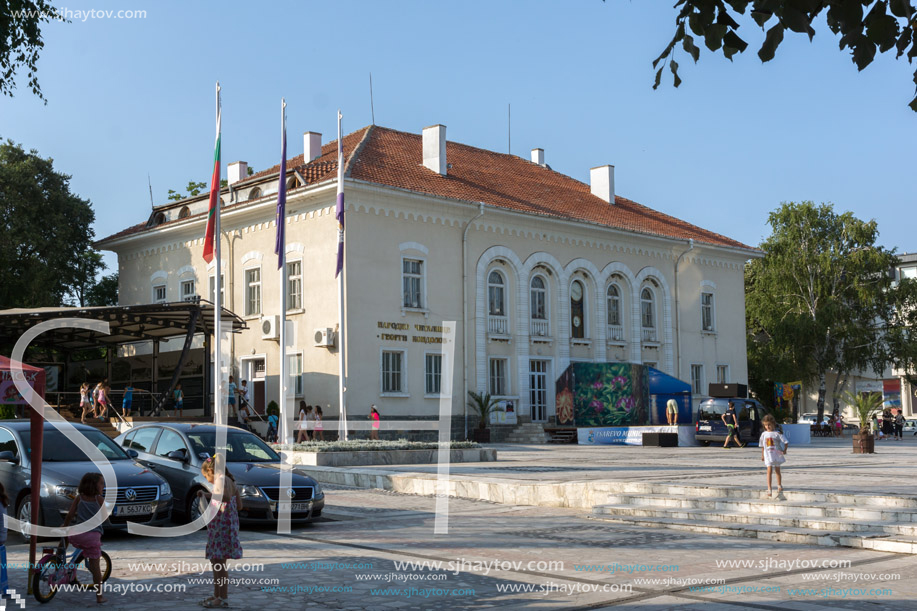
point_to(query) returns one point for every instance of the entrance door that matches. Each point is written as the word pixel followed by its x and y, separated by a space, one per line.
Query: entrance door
pixel 538 389
pixel 254 371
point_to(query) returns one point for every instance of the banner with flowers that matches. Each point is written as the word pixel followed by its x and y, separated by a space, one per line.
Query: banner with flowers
pixel 603 394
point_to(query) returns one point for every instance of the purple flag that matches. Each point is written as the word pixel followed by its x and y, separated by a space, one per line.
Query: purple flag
pixel 280 245
pixel 339 209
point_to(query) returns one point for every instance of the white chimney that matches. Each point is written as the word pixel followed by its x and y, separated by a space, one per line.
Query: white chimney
pixel 312 146
pixel 538 156
pixel 236 171
pixel 434 148
pixel 602 182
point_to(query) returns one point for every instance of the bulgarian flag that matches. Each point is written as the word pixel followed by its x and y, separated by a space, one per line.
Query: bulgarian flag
pixel 214 191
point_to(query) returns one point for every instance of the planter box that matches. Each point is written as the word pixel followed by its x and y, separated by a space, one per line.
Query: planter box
pixel 386 457
pixel 864 444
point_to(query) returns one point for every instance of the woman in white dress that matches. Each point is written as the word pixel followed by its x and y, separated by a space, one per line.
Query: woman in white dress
pixel 301 423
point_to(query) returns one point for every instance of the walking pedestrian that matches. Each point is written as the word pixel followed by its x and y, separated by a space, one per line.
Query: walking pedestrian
pixel 302 431
pixel 103 401
pixel 88 502
pixel 899 426
pixel 223 531
pixel 86 402
pixel 773 451
pixel 319 432
pixel 374 416
pixel 732 425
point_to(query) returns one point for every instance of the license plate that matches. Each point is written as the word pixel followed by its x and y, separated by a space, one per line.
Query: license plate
pixel 295 508
pixel 132 510
pixel 704 428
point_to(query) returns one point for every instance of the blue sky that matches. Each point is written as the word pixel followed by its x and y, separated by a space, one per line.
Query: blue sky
pixel 127 98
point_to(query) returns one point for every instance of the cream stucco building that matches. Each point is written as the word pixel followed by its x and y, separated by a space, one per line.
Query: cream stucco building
pixel 538 269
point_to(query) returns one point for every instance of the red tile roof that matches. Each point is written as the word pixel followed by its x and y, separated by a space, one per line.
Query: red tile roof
pixel 392 158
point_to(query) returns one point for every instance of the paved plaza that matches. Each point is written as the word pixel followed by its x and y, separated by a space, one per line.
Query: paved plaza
pixel 522 556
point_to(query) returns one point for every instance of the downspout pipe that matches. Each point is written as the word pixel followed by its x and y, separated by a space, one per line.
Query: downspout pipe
pixel 465 313
pixel 677 327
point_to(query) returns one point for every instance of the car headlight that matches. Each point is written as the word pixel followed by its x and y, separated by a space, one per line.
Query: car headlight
pixel 318 490
pixel 249 491
pixel 68 492
pixel 165 489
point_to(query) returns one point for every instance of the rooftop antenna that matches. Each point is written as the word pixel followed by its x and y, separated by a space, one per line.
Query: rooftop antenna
pixel 371 108
pixel 150 184
pixel 509 129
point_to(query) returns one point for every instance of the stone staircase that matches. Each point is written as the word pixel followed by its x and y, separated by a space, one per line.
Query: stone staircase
pixel 881 523
pixel 527 432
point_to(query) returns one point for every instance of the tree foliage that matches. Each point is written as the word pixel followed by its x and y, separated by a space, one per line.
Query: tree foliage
pixel 823 299
pixel 20 41
pixel 193 189
pixel 865 27
pixel 46 231
pixel 104 292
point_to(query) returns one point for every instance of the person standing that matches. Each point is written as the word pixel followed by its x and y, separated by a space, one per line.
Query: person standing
pixel 243 393
pixel 85 402
pixel 231 398
pixel 887 427
pixel 178 396
pixel 103 401
pixel 223 531
pixel 319 432
pixel 899 426
pixel 128 399
pixel 732 425
pixel 773 451
pixel 374 416
pixel 301 423
pixel 671 412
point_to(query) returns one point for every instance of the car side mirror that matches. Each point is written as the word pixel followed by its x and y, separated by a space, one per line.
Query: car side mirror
pixel 133 453
pixel 8 456
pixel 180 455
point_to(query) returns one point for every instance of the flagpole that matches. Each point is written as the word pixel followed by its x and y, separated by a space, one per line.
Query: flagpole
pixel 218 298
pixel 286 434
pixel 342 419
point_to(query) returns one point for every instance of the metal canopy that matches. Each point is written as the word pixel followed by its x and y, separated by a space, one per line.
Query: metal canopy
pixel 127 324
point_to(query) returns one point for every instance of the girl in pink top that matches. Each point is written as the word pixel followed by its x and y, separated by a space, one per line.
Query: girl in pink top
pixel 374 415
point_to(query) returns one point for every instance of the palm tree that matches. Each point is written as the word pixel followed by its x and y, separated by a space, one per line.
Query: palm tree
pixel 483 404
pixel 864 404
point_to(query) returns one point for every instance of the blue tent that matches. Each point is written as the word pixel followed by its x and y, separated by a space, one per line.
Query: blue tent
pixel 664 387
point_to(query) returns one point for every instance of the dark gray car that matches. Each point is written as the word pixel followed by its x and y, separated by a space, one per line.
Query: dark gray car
pixel 142 496
pixel 176 451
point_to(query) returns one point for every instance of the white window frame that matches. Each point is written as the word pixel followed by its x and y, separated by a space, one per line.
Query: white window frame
pixel 186 296
pixel 491 388
pixel 697 379
pixel 652 309
pixel 712 312
pixel 212 288
pixel 421 277
pixel 403 374
pixel 249 286
pixel 494 289
pixel 586 335
pixel 296 382
pixel 428 375
pixel 724 379
pixel 165 293
pixel 289 286
pixel 608 298
pixel 544 294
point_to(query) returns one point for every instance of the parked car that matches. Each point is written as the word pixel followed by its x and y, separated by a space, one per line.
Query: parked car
pixel 176 451
pixel 711 428
pixel 811 417
pixel 142 496
pixel 910 426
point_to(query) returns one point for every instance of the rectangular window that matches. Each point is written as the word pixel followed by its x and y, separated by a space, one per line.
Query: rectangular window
pixel 433 373
pixel 213 281
pixel 294 285
pixel 706 311
pixel 295 366
pixel 722 374
pixel 393 371
pixel 187 290
pixel 159 293
pixel 697 379
pixel 498 381
pixel 253 291
pixel 412 283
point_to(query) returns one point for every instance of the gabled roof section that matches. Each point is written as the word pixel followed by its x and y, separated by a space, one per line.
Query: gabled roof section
pixel 395 159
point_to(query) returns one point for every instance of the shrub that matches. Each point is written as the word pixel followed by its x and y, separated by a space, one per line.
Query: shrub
pixel 360 445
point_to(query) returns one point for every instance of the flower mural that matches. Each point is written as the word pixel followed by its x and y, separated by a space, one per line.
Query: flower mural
pixel 605 394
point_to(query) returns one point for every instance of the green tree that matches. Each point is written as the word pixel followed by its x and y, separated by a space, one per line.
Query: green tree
pixel 46 230
pixel 863 26
pixel 104 292
pixel 822 299
pixel 193 189
pixel 20 41
pixel 88 267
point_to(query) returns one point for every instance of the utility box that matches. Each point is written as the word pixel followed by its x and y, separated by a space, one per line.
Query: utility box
pixel 728 391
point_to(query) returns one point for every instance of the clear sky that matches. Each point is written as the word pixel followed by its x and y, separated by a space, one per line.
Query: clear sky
pixel 128 98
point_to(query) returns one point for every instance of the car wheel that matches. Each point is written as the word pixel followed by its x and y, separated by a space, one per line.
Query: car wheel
pixel 706 444
pixel 24 514
pixel 192 508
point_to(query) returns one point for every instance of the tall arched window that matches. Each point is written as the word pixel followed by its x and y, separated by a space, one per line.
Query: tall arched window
pixel 496 304
pixel 184 213
pixel 648 314
pixel 539 307
pixel 615 318
pixel 577 310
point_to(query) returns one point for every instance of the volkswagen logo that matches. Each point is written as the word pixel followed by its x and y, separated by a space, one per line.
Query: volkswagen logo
pixel 130 494
pixel 291 493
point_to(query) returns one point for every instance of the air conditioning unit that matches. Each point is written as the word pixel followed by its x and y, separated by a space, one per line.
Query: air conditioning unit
pixel 270 327
pixel 324 337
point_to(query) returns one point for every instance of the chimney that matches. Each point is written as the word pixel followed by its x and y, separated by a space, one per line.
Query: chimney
pixel 538 156
pixel 312 146
pixel 434 148
pixel 602 182
pixel 236 171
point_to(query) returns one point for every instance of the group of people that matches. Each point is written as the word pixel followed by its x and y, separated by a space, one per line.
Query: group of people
pixel 222 532
pixel 889 427
pixel 310 426
pixel 98 400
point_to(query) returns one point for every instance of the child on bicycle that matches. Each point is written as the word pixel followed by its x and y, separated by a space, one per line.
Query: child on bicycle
pixel 88 502
pixel 223 531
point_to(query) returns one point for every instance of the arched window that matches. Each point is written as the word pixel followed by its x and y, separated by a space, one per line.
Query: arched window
pixel 538 297
pixel 614 305
pixel 292 183
pixel 648 314
pixel 496 304
pixel 254 194
pixel 184 213
pixel 577 310
pixel 159 219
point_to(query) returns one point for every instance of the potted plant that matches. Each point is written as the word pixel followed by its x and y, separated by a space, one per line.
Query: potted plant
pixel 864 404
pixel 482 404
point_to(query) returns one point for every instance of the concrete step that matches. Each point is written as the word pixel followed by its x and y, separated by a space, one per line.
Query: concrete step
pixel 844 525
pixel 873 540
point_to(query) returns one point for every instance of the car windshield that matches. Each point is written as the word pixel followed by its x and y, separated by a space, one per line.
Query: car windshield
pixel 243 447
pixel 57 447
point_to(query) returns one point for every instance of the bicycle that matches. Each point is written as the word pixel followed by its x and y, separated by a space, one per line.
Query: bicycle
pixel 53 571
